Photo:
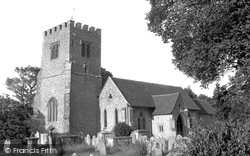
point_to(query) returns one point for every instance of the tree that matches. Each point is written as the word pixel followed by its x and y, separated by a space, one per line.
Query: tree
pixel 24 86
pixel 190 92
pixel 210 37
pixel 13 119
pixel 105 74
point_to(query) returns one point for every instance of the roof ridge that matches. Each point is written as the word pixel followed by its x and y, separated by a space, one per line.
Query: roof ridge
pixel 146 82
pixel 165 94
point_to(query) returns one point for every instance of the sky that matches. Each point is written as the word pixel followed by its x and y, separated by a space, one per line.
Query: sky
pixel 129 50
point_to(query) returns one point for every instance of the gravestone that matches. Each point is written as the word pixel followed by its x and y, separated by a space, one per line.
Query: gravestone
pixel 37 135
pixel 152 139
pixel 102 149
pixel 97 143
pixel 43 138
pixel 6 145
pixel 149 147
pixel 88 140
pixel 93 140
pixel 157 152
pixel 133 137
pixel 144 138
pixel 171 142
pixel 164 144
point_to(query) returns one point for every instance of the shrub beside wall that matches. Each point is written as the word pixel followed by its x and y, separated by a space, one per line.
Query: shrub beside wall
pixel 122 129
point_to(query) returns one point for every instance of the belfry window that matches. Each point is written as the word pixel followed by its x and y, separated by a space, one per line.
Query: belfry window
pixel 85 49
pixel 52 110
pixel 54 47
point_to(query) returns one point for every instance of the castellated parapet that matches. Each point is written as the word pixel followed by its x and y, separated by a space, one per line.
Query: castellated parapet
pixel 71 23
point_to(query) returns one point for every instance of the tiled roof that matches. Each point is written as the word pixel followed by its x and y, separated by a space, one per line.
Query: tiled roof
pixel 139 94
pixel 205 107
pixel 164 104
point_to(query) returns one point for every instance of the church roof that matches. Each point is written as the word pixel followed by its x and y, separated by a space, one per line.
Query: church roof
pixel 164 104
pixel 139 94
pixel 205 107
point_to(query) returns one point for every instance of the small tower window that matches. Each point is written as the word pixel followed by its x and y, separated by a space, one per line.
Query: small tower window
pixel 85 66
pixel 88 50
pixel 83 50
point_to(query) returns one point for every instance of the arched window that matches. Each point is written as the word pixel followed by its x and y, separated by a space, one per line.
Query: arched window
pixel 52 109
pixel 116 116
pixel 105 118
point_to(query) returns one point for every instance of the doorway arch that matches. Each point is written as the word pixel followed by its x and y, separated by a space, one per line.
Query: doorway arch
pixel 179 125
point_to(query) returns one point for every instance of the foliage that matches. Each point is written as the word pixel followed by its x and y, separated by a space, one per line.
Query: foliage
pixel 231 103
pixel 220 138
pixel 194 96
pixel 210 37
pixel 138 149
pixel 37 122
pixel 122 129
pixel 141 149
pixel 13 119
pixel 190 92
pixel 105 74
pixel 24 86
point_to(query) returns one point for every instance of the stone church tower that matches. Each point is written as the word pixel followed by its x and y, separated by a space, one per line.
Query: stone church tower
pixel 69 82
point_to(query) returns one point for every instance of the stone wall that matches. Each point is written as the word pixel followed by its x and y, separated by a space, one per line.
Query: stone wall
pixel 168 124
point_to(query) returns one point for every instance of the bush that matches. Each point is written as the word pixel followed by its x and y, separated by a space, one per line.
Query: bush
pixel 122 129
pixel 220 138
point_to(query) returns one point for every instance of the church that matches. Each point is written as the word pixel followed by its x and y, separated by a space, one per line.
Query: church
pixel 72 99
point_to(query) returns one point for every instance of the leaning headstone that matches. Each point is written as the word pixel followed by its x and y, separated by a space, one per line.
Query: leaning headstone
pixel 93 140
pixel 157 152
pixel 6 144
pixel 102 149
pixel 88 140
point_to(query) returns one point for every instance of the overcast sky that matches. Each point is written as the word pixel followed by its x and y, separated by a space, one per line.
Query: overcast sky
pixel 129 50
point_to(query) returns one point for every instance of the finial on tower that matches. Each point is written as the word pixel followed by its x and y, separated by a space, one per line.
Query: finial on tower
pixel 73 14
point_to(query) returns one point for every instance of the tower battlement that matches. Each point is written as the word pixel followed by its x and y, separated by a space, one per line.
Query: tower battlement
pixel 72 24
